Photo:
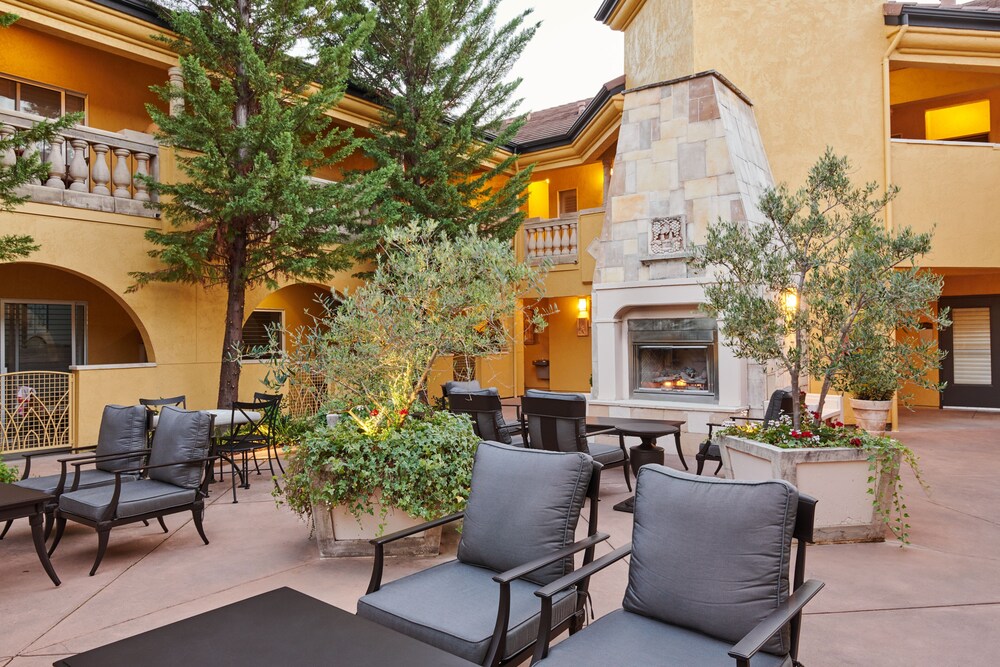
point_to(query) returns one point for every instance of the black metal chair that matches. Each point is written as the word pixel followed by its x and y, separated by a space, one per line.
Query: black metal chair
pixel 779 404
pixel 245 436
pixel 483 407
pixel 272 415
pixel 123 431
pixel 518 534
pixel 557 422
pixel 696 594
pixel 155 404
pixel 174 480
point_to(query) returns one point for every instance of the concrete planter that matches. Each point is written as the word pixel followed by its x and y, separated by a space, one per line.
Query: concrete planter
pixel 872 416
pixel 836 477
pixel 340 534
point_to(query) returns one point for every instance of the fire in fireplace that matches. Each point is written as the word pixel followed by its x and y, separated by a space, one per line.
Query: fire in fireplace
pixel 673 357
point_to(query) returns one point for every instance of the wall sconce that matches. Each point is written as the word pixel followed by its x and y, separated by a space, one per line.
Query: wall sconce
pixel 790 300
pixel 583 316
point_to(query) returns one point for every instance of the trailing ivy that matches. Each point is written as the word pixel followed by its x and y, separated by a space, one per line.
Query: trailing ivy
pixel 8 474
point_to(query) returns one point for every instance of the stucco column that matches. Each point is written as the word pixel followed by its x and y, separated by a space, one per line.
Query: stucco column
pixel 176 81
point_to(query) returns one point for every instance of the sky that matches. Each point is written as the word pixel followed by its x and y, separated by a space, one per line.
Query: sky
pixel 571 56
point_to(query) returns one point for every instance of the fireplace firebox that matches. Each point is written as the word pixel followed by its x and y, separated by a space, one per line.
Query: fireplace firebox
pixel 673 358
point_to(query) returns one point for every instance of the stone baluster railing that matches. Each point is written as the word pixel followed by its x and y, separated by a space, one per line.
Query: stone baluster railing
pixel 554 240
pixel 86 166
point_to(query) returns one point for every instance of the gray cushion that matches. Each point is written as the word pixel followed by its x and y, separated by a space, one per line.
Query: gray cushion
pixel 494 426
pixel 181 435
pixel 524 504
pixel 123 431
pixel 621 638
pixel 454 606
pixel 558 395
pixel 138 497
pixel 710 554
pixel 88 480
pixel 606 454
pixel 460 387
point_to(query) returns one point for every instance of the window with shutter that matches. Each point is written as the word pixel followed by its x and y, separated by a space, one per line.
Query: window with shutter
pixel 258 331
pixel 971 353
pixel 567 202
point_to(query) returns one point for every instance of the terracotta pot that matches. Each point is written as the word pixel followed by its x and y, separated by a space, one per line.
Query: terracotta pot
pixel 872 416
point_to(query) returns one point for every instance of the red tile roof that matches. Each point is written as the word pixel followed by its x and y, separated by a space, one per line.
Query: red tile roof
pixel 558 121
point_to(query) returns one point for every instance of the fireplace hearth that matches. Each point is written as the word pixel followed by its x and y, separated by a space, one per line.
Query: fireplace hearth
pixel 673 358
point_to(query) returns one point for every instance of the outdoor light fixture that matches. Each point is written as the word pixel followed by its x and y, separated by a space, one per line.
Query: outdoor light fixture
pixel 583 316
pixel 790 300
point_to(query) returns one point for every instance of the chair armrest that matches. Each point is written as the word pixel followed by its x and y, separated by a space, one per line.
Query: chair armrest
pixel 529 567
pixel 777 619
pixel 379 542
pixel 576 576
pixel 600 430
pixel 204 459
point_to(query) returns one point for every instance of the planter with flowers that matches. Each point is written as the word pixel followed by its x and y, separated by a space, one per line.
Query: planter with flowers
pixel 390 460
pixel 813 292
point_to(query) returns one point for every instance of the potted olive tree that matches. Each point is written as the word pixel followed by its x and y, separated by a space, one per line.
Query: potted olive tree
pixel 809 291
pixel 391 458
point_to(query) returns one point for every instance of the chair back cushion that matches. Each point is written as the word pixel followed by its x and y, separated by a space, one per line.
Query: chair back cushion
pixel 455 385
pixel 710 554
pixel 524 504
pixel 181 435
pixel 556 421
pixel 123 431
pixel 483 406
pixel 779 404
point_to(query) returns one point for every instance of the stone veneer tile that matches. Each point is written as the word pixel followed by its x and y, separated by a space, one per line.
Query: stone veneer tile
pixel 702 187
pixel 666 109
pixel 691 161
pixel 624 230
pixel 673 129
pixel 614 274
pixel 630 183
pixel 630 207
pixel 630 247
pixel 736 211
pixel 704 130
pixel 728 184
pixel 664 150
pixel 717 156
pixel 702 87
pixel 646 133
pixel 628 137
pixel 708 108
pixel 666 91
pixel 644 113
pixel 631 269
pixel 680 97
pixel 641 98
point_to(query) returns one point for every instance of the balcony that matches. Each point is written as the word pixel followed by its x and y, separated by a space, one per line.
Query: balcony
pixel 950 188
pixel 554 240
pixel 89 168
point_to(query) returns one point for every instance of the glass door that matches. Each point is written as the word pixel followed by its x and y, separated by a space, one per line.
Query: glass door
pixel 971 370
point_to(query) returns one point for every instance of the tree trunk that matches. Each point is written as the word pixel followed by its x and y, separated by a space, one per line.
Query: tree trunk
pixel 232 343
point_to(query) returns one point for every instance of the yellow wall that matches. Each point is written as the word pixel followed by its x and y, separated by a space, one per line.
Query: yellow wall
pixel 587 180
pixel 659 43
pixel 908 120
pixel 117 89
pixel 911 84
pixel 569 354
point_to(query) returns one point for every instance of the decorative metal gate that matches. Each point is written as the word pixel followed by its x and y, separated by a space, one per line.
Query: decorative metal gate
pixel 35 410
pixel 307 396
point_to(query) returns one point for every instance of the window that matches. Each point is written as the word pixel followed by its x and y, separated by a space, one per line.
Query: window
pixel 48 336
pixel 257 334
pixel 959 122
pixel 971 354
pixel 38 99
pixel 567 202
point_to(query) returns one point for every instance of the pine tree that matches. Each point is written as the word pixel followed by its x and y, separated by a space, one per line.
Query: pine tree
pixel 15 172
pixel 437 67
pixel 259 80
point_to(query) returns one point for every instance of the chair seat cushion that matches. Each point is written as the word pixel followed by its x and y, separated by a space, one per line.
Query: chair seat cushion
pixel 88 479
pixel 454 606
pixel 606 454
pixel 138 497
pixel 709 450
pixel 623 638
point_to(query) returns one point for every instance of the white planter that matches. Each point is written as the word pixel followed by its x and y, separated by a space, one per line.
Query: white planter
pixel 339 533
pixel 872 416
pixel 837 477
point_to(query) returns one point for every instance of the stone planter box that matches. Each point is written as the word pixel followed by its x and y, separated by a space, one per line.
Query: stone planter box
pixel 340 534
pixel 836 477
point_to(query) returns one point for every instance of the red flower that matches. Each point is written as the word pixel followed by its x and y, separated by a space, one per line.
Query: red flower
pixel 856 442
pixel 815 415
pixel 404 412
pixel 807 434
pixel 374 412
pixel 839 424
pixel 795 434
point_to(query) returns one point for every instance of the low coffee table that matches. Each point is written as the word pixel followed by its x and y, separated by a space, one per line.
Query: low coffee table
pixel 280 627
pixel 16 503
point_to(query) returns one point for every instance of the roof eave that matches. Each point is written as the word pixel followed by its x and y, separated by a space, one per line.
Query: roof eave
pixel 936 17
pixel 569 136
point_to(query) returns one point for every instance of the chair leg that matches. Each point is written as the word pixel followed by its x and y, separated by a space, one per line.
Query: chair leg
pixel 701 465
pixel 60 528
pixel 278 459
pixel 50 517
pixel 163 525
pixel 102 547
pixel 199 514
pixel 270 463
pixel 232 477
pixel 7 527
pixel 256 464
pixel 628 477
pixel 718 469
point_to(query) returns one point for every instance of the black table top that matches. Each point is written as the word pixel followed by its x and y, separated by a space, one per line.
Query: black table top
pixel 629 426
pixel 12 496
pixel 280 627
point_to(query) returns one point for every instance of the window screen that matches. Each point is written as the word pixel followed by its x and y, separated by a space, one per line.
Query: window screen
pixel 257 332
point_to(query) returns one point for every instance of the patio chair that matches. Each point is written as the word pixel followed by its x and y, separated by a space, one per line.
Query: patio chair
pixel 244 438
pixel 708 576
pixel 455 385
pixel 123 431
pixel 557 422
pixel 155 404
pixel 517 535
pixel 174 480
pixel 779 404
pixel 483 407
pixel 270 426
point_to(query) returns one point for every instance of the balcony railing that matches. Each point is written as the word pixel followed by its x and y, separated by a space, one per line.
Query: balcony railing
pixel 88 168
pixel 554 240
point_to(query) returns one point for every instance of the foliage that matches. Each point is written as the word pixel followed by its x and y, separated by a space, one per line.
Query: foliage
pixel 8 474
pixel 429 296
pixel 26 169
pixel 439 70
pixel 885 457
pixel 253 129
pixel 820 280
pixel 422 467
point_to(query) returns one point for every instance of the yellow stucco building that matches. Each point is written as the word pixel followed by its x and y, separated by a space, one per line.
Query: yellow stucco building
pixel 910 93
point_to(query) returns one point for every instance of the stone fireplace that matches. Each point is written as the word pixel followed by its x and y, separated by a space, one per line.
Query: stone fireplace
pixel 689 153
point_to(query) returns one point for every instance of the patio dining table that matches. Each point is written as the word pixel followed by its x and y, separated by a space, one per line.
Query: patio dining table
pixel 224 419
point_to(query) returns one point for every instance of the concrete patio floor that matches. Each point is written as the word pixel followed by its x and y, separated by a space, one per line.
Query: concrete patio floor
pixel 936 602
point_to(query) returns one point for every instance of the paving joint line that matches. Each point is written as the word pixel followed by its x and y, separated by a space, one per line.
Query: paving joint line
pixel 910 608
